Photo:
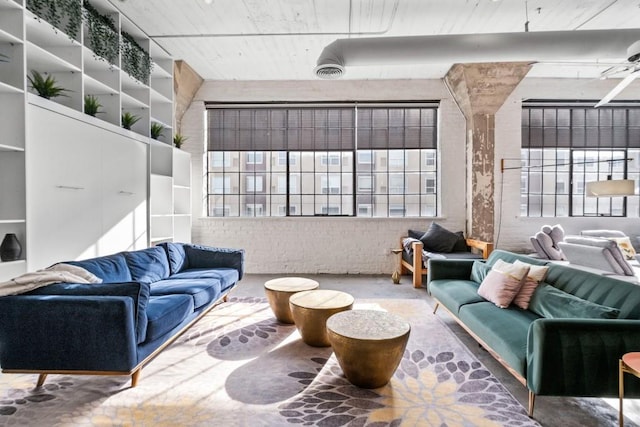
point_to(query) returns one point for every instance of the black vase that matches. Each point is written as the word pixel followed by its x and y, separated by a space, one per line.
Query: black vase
pixel 10 249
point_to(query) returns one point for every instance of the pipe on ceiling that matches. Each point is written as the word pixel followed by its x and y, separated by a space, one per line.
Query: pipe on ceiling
pixel 469 48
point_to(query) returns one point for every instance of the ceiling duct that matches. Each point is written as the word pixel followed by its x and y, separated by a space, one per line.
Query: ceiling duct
pixel 542 46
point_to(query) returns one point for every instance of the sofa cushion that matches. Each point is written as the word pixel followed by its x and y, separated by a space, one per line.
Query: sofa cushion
pixel 438 239
pixel 608 258
pixel 227 276
pixel 148 265
pixel 202 290
pixel 502 283
pixel 166 312
pixel 553 303
pixel 110 268
pixel 536 274
pixel 603 290
pixel 176 256
pixel 453 294
pixel 503 330
pixel 479 271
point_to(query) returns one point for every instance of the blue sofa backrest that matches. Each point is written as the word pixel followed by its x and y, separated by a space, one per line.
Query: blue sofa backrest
pixel 148 265
pixel 110 268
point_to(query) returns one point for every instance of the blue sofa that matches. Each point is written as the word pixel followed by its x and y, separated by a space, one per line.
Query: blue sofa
pixel 146 300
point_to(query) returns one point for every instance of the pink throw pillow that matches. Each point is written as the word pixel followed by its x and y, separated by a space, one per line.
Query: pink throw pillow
pixel 536 274
pixel 502 283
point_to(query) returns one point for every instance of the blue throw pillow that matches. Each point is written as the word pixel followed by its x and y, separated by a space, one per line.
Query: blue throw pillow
pixel 148 265
pixel 176 255
pixel 110 268
pixel 209 257
pixel 548 301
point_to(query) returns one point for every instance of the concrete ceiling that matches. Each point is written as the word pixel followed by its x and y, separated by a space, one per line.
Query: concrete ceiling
pixel 282 39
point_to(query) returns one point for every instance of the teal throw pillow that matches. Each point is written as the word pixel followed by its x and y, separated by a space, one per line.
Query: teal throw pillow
pixel 479 271
pixel 551 302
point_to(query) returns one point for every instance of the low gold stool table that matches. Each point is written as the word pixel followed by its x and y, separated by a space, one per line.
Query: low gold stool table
pixel 280 290
pixel 630 363
pixel 311 309
pixel 368 345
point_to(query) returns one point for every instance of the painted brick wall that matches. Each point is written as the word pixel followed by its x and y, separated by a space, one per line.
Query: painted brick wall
pixel 361 245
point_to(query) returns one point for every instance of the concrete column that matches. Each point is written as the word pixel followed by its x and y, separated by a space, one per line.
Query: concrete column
pixel 480 90
pixel 186 83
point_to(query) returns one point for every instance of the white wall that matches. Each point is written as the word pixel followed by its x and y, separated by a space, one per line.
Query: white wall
pixel 362 245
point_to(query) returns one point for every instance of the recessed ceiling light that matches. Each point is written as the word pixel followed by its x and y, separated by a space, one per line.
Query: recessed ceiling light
pixel 208 1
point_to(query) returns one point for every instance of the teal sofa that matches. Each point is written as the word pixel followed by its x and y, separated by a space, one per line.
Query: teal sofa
pixel 566 354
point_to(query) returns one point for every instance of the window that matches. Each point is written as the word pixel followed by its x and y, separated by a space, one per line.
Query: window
pixel 566 146
pixel 254 183
pixel 255 158
pixel 430 185
pixel 365 157
pixel 330 159
pixel 365 184
pixel 219 159
pixel 344 159
pixel 221 184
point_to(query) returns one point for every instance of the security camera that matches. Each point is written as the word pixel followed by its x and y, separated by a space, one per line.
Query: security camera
pixel 633 52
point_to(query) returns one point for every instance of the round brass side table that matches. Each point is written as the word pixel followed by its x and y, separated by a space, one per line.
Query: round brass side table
pixel 311 309
pixel 280 290
pixel 368 345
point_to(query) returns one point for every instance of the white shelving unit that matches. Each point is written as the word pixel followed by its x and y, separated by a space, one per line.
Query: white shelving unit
pixel 27 43
pixel 181 196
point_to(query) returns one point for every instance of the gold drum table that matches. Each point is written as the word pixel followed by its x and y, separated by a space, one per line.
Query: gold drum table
pixel 279 291
pixel 368 345
pixel 311 309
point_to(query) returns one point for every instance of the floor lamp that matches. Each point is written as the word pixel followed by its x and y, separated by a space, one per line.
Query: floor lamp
pixel 603 188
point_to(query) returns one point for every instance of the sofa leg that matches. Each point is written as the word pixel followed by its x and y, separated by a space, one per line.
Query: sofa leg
pixel 436 308
pixel 135 377
pixel 41 379
pixel 532 401
pixel 225 298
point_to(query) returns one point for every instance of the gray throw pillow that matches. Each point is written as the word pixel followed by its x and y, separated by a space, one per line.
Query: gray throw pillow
pixel 438 239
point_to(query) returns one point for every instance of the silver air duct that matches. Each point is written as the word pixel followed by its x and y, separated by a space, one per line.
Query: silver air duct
pixel 540 46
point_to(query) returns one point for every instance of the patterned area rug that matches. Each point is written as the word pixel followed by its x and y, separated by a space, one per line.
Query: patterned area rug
pixel 239 367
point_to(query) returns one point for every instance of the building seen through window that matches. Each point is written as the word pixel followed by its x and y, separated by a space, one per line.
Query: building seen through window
pixel 347 160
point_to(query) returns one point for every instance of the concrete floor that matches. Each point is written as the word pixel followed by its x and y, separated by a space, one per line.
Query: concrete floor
pixel 549 411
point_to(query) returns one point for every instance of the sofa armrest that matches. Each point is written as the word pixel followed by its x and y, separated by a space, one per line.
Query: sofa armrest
pixel 60 332
pixel 199 256
pixel 484 247
pixel 138 292
pixel 579 357
pixel 449 269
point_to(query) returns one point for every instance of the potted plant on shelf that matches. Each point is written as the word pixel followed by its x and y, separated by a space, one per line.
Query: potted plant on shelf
pixel 46 88
pixel 129 119
pixel 156 130
pixel 178 140
pixel 92 105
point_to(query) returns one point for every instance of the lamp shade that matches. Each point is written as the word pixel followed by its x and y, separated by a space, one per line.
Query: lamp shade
pixel 611 188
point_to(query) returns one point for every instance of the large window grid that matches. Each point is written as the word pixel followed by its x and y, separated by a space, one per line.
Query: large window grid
pixel 344 160
pixel 566 146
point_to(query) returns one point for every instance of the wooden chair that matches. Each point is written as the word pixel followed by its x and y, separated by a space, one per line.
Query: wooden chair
pixel 417 266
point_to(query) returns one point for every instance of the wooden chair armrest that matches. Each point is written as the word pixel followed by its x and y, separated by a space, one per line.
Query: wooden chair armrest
pixel 485 247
